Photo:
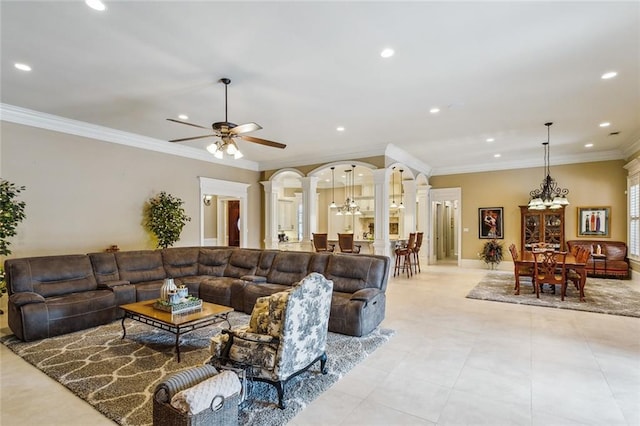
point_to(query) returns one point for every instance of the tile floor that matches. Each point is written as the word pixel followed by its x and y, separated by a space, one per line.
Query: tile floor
pixel 453 361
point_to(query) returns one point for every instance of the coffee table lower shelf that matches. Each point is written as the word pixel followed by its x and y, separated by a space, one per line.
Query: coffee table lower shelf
pixel 178 324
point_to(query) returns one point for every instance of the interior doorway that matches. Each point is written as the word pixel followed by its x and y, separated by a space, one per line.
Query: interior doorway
pixel 445 226
pixel 233 222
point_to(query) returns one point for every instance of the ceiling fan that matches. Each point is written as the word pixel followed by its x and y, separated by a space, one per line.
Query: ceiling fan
pixel 227 131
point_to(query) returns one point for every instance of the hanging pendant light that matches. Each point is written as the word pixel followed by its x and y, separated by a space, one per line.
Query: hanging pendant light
pixel 333 188
pixel 401 206
pixel 393 189
pixel 549 195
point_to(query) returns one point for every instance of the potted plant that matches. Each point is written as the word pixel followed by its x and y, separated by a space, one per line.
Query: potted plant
pixel 165 218
pixel 11 214
pixel 492 253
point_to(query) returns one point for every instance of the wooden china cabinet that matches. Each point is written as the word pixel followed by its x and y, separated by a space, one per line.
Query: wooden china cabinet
pixel 541 226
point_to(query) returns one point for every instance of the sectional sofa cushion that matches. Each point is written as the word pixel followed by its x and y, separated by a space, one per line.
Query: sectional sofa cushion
pixel 289 267
pixel 51 276
pixel 140 266
pixel 181 261
pixel 213 262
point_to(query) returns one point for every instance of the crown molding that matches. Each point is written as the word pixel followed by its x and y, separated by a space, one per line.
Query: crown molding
pixel 557 161
pixel 27 117
pixel 323 159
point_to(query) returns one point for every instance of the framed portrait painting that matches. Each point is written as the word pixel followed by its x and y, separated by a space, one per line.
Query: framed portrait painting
pixel 490 221
pixel 594 222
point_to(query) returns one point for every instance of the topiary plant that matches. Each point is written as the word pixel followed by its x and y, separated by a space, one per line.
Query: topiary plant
pixel 165 218
pixel 11 213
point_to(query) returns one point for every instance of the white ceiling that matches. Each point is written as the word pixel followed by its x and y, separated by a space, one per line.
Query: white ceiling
pixel 300 69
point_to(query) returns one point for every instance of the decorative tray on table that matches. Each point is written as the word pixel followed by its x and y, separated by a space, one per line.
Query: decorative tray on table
pixel 186 304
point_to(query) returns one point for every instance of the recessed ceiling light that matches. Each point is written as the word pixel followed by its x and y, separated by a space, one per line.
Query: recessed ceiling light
pixel 387 53
pixel 497 155
pixel 589 145
pixel 95 5
pixel 434 110
pixel 608 75
pixel 340 128
pixel 183 117
pixel 605 124
pixel 22 67
pixel 490 139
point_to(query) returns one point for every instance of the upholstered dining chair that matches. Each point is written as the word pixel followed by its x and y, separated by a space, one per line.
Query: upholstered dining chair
pixel 550 269
pixel 520 269
pixel 321 243
pixel 286 335
pixel 345 242
pixel 403 257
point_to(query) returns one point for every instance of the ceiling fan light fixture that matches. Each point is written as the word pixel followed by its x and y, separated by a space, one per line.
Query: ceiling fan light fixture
pixel 219 154
pixel 212 148
pixel 238 155
pixel 231 148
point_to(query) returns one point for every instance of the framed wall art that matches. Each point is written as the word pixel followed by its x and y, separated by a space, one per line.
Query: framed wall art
pixel 594 222
pixel 490 221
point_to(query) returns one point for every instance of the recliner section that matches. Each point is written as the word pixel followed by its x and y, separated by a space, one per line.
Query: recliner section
pixel 54 295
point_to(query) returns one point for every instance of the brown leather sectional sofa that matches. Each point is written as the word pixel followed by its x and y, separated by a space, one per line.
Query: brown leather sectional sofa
pixel 54 295
pixel 614 261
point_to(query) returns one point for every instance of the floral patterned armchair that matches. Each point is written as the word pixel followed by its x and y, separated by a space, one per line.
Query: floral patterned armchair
pixel 286 335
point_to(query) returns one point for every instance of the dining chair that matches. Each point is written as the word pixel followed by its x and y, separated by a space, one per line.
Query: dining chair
pixel 345 242
pixel 520 269
pixel 416 251
pixel 403 257
pixel 549 268
pixel 321 243
pixel 582 256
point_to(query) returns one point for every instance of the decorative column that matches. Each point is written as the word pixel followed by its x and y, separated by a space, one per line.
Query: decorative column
pixel 309 211
pixel 381 243
pixel 422 200
pixel 271 190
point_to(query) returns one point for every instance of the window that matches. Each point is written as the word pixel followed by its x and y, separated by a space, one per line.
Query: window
pixel 633 207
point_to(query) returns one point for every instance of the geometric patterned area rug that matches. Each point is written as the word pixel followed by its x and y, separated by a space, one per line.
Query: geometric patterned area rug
pixel 605 296
pixel 118 376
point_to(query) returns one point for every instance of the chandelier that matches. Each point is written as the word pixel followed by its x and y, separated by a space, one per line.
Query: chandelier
pixel 350 207
pixel 549 195
pixel 225 145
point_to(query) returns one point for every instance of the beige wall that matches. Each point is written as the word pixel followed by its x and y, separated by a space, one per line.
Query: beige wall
pixel 590 184
pixel 84 195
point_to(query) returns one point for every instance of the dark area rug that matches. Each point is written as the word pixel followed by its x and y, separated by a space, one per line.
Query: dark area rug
pixel 118 376
pixel 605 296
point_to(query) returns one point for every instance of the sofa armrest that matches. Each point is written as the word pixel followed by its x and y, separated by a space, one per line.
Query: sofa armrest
pixel 111 284
pixel 254 278
pixel 26 298
pixel 252 337
pixel 365 295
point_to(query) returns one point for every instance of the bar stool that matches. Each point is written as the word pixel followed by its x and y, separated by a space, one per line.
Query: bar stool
pixel 403 257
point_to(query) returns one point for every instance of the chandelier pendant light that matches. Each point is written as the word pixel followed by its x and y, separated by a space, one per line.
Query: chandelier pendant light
pixel 549 195
pixel 350 207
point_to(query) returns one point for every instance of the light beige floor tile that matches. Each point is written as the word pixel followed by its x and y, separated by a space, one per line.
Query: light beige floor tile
pixel 452 361
pixel 368 413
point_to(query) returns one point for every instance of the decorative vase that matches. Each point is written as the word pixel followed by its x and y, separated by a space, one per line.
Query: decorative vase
pixel 167 287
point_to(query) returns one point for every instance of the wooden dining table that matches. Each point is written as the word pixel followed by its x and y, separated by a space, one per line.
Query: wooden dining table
pixel 527 260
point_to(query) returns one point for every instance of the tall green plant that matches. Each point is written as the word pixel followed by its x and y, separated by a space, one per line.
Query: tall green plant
pixel 11 213
pixel 165 218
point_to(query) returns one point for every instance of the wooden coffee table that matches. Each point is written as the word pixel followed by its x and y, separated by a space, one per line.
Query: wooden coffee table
pixel 177 324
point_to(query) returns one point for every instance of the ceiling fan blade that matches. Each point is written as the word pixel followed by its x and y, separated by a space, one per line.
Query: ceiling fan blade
pixel 192 138
pixel 245 128
pixel 188 124
pixel 264 142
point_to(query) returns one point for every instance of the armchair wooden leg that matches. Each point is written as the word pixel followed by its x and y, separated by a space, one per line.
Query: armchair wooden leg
pixel 323 364
pixel 280 388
